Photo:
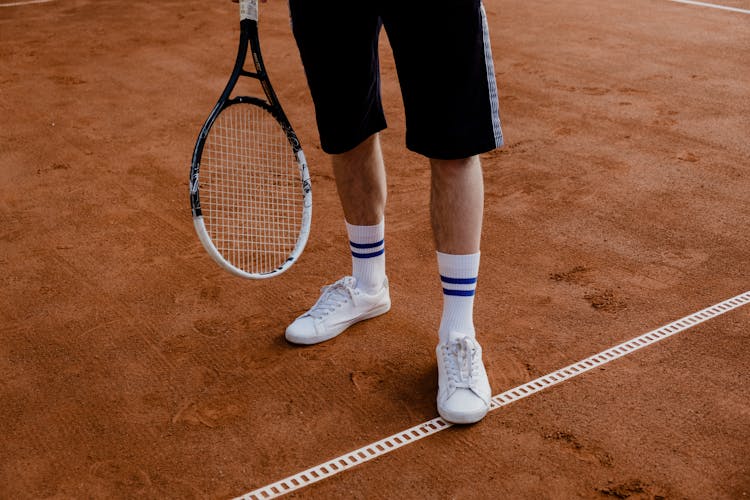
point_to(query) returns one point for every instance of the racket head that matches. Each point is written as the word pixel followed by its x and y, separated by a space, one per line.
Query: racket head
pixel 250 189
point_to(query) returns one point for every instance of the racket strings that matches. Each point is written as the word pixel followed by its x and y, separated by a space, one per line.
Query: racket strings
pixel 250 189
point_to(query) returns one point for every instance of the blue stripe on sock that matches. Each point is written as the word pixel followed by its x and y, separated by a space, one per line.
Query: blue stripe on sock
pixel 458 281
pixel 368 255
pixel 366 245
pixel 458 293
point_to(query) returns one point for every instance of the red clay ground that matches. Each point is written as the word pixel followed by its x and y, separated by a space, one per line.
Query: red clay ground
pixel 131 366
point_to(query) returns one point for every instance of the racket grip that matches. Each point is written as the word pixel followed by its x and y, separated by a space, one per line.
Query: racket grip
pixel 249 10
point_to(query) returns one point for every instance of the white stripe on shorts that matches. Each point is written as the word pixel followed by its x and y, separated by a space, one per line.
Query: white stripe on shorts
pixel 491 83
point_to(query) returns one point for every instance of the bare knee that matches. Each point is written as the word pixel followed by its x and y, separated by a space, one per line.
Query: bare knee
pixel 453 168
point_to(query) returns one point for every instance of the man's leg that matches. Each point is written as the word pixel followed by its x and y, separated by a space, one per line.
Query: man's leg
pixel 360 180
pixel 456 209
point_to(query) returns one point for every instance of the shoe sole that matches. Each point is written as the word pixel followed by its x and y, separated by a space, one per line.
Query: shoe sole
pixel 317 340
pixel 462 419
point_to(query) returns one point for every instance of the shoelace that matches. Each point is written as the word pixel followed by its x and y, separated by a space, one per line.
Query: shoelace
pixel 461 362
pixel 333 296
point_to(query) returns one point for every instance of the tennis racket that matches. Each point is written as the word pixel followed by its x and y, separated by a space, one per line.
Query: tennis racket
pixel 250 189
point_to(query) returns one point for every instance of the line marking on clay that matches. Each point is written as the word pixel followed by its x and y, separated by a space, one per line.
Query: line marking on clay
pixel 713 6
pixel 27 2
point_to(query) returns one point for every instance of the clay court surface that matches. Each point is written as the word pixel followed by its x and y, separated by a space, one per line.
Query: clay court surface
pixel 131 366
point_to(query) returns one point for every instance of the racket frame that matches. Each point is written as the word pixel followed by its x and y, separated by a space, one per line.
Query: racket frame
pixel 249 40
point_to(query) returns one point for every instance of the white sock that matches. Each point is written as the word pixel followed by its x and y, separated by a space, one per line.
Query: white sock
pixel 367 244
pixel 458 274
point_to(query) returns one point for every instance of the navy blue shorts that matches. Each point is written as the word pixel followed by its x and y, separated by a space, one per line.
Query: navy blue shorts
pixel 444 64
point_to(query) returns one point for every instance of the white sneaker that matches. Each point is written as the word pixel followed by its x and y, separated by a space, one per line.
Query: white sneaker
pixel 339 307
pixel 463 389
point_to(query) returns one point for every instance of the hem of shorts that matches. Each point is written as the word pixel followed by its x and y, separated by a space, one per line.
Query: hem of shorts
pixel 345 146
pixel 455 154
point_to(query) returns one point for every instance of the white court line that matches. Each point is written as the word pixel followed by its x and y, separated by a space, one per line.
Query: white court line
pixel 27 2
pixel 713 6
pixel 379 448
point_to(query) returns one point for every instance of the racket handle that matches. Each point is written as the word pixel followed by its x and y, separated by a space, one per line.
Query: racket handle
pixel 249 10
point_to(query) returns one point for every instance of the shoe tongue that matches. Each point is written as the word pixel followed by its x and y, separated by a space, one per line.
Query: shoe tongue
pixel 339 288
pixel 456 337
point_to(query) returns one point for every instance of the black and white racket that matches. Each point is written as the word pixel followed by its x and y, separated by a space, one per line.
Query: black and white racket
pixel 250 188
